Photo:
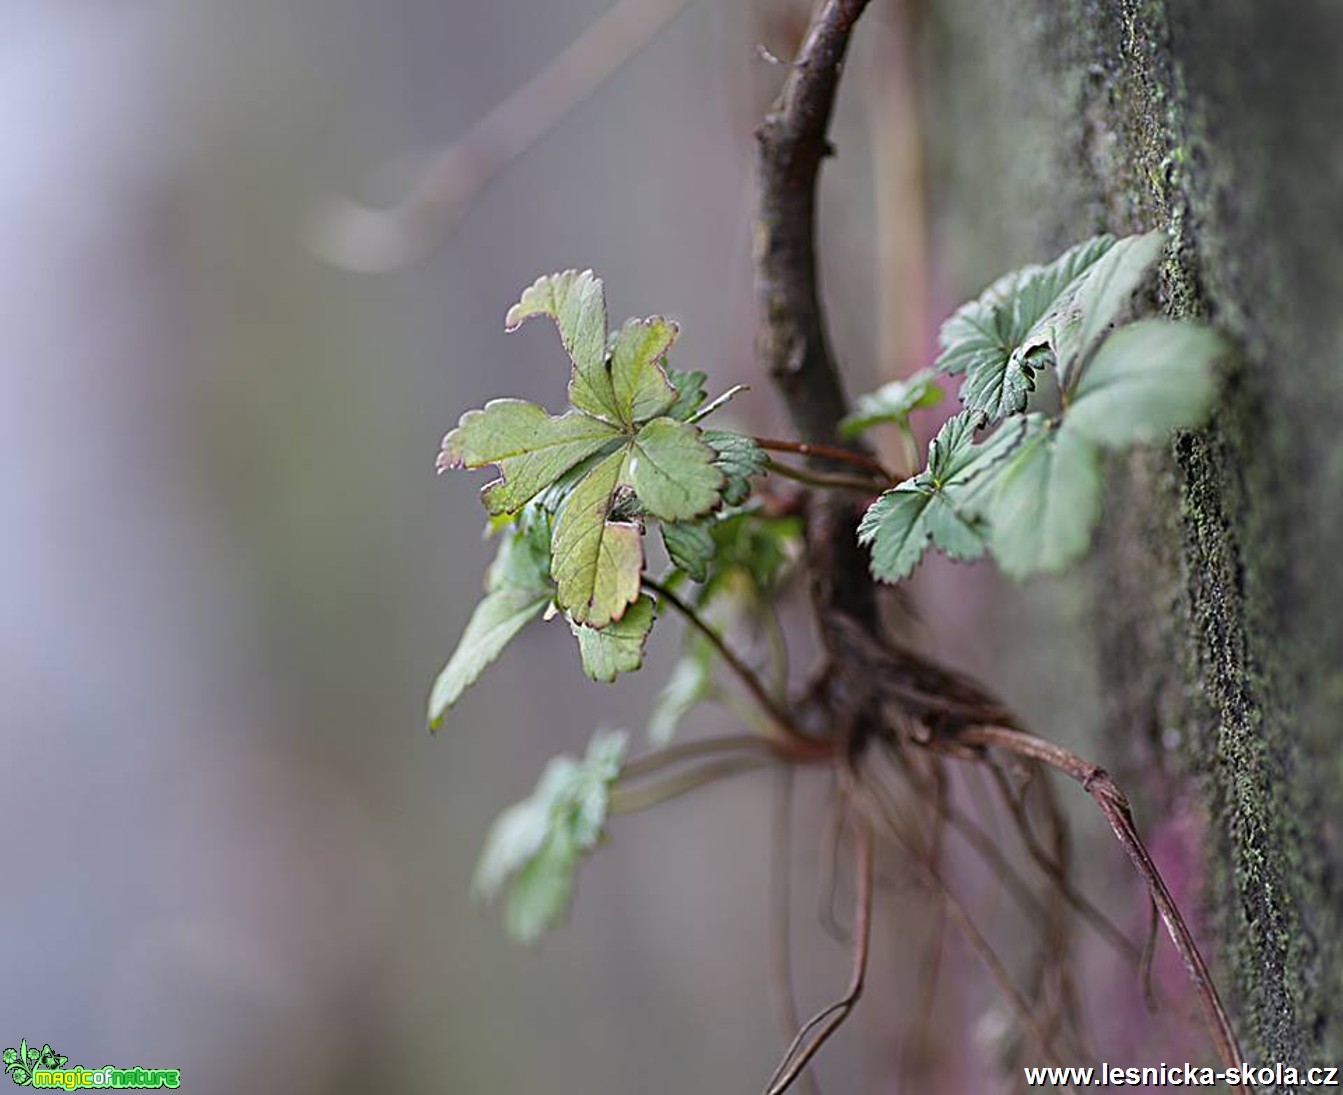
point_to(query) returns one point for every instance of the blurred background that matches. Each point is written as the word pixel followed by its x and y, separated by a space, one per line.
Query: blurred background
pixel 229 572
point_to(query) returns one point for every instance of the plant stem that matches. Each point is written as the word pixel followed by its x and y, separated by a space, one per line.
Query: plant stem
pixel 828 452
pixel 825 480
pixel 654 762
pixel 799 746
pixel 628 800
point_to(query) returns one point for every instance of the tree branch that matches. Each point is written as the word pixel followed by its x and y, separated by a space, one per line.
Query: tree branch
pixel 792 341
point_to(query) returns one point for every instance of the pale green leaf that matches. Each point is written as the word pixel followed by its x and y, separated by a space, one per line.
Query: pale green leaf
pixel 523 558
pixel 941 505
pixel 893 403
pixel 537 844
pixel 542 889
pixel 1103 295
pixel 493 624
pixel 739 458
pixel 690 683
pixel 1046 501
pixel 673 471
pixel 530 447
pixel 690 545
pixel 576 301
pixel 642 390
pixel 902 522
pixel 1012 329
pixel 596 563
pixel 1146 379
pixel 619 646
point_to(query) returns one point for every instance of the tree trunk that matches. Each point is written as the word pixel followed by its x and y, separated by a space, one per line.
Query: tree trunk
pixel 1216 588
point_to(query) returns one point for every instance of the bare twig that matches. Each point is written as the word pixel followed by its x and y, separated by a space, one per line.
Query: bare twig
pixel 960 919
pixel 1114 805
pixel 828 452
pixel 371 240
pixel 826 1021
pixel 629 800
pixel 691 751
pixel 781 902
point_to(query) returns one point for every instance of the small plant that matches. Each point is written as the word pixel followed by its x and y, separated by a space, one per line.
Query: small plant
pixel 1055 370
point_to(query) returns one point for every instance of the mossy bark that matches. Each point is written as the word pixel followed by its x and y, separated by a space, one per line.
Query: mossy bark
pixel 1218 585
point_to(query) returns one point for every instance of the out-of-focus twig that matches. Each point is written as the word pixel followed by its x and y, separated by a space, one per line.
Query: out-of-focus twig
pixel 368 239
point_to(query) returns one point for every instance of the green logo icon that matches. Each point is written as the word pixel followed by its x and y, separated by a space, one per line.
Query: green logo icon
pixel 21 1063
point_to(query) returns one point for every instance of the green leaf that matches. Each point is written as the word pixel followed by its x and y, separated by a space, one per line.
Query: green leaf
pixel 893 402
pixel 690 545
pixel 1104 293
pixel 941 505
pixel 690 683
pixel 523 558
pixel 642 390
pixel 753 552
pixel 690 393
pixel 740 460
pixel 902 522
pixel 1014 328
pixel 518 589
pixel 619 646
pixel 530 447
pixel 596 563
pixel 576 301
pixel 1047 500
pixel 1146 379
pixel 493 625
pixel 673 471
pixel 538 843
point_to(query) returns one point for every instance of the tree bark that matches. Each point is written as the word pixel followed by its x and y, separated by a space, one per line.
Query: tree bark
pixel 1215 589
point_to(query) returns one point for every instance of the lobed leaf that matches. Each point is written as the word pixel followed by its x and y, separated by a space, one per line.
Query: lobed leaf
pixel 690 393
pixel 596 563
pixel 902 522
pixel 618 647
pixel 538 843
pixel 691 547
pixel 1012 329
pixel 576 301
pixel 1103 295
pixel 740 460
pixel 639 384
pixel 673 471
pixel 530 448
pixel 941 505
